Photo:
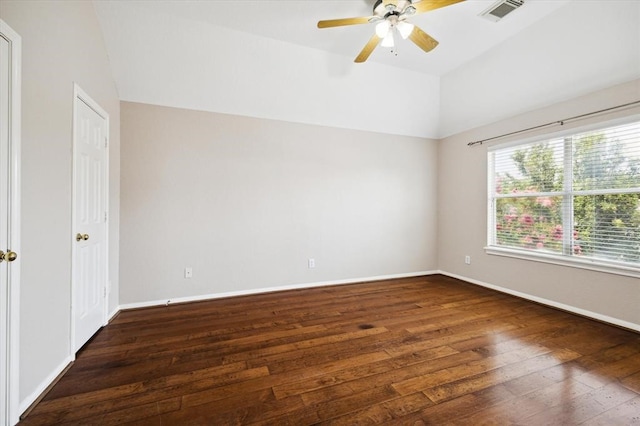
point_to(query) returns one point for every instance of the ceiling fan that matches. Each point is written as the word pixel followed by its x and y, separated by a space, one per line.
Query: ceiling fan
pixel 390 17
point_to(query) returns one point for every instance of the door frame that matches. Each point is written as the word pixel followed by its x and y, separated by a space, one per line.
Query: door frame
pixel 10 383
pixel 80 95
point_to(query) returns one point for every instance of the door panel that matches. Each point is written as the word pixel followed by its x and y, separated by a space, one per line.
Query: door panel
pixel 4 219
pixel 90 222
pixel 10 53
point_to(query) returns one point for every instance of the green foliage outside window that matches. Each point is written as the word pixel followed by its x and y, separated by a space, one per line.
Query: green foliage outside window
pixel 531 198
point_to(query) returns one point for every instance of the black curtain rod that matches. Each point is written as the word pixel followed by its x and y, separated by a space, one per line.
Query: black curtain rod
pixel 553 123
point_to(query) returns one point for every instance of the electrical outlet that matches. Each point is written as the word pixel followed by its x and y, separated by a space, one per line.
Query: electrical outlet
pixel 312 263
pixel 188 272
pixel 467 260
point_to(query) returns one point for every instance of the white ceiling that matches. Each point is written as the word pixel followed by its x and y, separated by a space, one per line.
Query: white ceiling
pixel 268 59
pixel 463 35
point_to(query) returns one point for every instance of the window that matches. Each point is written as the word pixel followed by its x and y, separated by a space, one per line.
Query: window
pixel 573 199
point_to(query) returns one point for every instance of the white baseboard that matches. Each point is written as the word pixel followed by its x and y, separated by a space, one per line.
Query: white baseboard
pixel 115 312
pixel 268 290
pixel 554 304
pixel 42 387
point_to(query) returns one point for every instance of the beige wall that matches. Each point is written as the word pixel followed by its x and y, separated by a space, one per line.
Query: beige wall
pixel 61 44
pixel 246 202
pixel 462 218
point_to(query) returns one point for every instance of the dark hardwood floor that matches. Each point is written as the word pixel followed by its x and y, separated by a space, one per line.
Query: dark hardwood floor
pixel 418 351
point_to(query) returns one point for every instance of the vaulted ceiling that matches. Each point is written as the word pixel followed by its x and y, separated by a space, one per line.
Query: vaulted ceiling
pixel 268 59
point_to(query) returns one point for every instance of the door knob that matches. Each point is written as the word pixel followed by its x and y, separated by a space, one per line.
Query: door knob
pixel 9 256
pixel 80 237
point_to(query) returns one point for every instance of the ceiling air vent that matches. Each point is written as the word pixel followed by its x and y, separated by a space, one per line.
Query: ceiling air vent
pixel 502 8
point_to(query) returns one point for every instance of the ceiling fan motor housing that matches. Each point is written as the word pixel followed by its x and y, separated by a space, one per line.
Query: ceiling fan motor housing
pixel 401 7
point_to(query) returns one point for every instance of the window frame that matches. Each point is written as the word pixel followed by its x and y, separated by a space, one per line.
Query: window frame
pixel 567 194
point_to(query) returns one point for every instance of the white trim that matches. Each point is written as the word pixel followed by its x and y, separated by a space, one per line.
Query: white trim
pixel 42 387
pixel 569 261
pixel 82 96
pixel 11 417
pixel 113 313
pixel 552 303
pixel 558 305
pixel 269 290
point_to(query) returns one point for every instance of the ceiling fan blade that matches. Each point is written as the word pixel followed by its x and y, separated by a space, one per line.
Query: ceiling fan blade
pixel 423 40
pixel 427 5
pixel 368 48
pixel 343 22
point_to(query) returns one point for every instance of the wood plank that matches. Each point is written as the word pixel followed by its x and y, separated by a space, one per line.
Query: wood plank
pixel 499 375
pixel 632 381
pixel 584 407
pixel 385 412
pixel 103 401
pixel 360 378
pixel 516 409
pixel 487 365
pixel 627 413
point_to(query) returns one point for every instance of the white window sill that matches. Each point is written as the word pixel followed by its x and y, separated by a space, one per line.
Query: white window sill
pixel 573 262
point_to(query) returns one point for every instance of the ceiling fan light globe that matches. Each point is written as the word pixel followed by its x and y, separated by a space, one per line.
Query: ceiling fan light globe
pixel 405 29
pixel 382 29
pixel 387 41
pixel 409 11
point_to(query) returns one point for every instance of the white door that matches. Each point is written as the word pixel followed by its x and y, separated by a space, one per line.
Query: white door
pixel 9 218
pixel 89 239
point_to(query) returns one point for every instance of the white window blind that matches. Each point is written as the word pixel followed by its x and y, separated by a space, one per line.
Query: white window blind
pixel 574 197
